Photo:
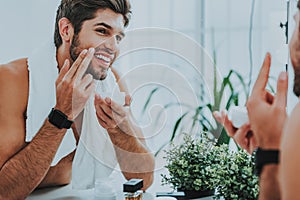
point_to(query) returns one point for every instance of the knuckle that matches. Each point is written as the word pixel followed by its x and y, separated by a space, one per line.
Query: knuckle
pixel 89 77
pixel 71 87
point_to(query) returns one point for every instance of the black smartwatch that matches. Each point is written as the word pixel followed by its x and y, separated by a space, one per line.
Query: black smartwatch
pixel 59 119
pixel 263 157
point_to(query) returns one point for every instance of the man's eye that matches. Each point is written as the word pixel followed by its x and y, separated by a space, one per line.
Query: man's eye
pixel 102 31
pixel 119 38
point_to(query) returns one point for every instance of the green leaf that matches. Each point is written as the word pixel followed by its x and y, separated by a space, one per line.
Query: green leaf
pixel 177 125
pixel 149 99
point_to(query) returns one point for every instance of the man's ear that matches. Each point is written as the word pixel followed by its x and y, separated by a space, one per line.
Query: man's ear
pixel 66 29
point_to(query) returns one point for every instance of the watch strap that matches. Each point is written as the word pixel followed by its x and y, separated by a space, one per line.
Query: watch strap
pixel 264 157
pixel 59 119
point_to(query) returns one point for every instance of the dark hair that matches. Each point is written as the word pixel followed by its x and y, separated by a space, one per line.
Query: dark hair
pixel 78 11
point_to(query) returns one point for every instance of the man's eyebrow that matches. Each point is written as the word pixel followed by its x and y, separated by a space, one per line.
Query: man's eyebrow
pixel 104 24
pixel 109 27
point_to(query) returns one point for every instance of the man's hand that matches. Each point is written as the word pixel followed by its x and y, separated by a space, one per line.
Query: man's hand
pixel 112 115
pixel 128 140
pixel 267 114
pixel 242 136
pixel 73 86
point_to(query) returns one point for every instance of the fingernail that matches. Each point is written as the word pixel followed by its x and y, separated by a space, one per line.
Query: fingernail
pixel 107 100
pixel 84 51
pixel 91 50
pixel 216 113
pixel 283 76
pixel 224 112
pixel 66 61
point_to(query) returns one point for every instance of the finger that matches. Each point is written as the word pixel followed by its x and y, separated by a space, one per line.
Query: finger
pixel 84 64
pixel 97 99
pixel 117 109
pixel 282 87
pixel 241 136
pixel 242 132
pixel 127 100
pixel 76 64
pixel 108 100
pixel 228 125
pixel 102 123
pixel 90 88
pixel 245 128
pixel 217 115
pixel 262 79
pixel 105 107
pixel 86 81
pixel 65 68
pixel 104 117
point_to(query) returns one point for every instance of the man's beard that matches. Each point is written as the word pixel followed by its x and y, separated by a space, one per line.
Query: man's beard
pixel 74 53
pixel 297 81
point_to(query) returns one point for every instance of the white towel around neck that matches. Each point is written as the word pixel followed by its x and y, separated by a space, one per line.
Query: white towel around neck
pixel 95 156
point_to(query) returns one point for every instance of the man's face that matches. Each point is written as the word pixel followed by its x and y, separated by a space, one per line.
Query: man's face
pixel 295 54
pixel 103 33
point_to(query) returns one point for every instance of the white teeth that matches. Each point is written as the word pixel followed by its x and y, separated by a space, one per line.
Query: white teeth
pixel 103 58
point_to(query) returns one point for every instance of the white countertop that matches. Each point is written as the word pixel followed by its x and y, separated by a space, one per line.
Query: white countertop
pixel 67 193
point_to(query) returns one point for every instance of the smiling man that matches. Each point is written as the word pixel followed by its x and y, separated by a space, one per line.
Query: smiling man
pixel 61 82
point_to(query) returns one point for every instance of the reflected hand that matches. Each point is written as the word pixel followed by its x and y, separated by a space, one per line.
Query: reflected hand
pixel 267 113
pixel 243 136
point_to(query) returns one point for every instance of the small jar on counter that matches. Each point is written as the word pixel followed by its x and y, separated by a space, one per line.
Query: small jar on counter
pixel 132 189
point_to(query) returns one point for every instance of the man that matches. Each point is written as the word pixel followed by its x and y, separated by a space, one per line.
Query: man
pixel 272 130
pixel 87 37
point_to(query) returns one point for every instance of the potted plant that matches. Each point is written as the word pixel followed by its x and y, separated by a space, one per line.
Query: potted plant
pixel 236 179
pixel 193 166
pixel 199 167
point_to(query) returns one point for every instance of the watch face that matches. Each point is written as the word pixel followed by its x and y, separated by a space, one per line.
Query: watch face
pixel 59 119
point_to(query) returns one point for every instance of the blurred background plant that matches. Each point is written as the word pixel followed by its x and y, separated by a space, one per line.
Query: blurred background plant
pixel 198 164
pixel 231 91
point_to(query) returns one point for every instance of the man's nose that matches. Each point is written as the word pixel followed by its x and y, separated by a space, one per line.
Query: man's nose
pixel 111 44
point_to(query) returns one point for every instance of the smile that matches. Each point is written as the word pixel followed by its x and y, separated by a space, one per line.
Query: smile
pixel 104 58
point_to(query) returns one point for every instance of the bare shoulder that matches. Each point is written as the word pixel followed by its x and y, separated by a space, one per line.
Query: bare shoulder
pixel 289 157
pixel 13 103
pixel 14 79
pixel 292 127
pixel 291 133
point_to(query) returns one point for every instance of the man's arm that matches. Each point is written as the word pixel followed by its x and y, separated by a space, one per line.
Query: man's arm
pixel 133 156
pixel 22 169
pixel 22 166
pixel 132 153
pixel 22 173
pixel 269 187
pixel 59 174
